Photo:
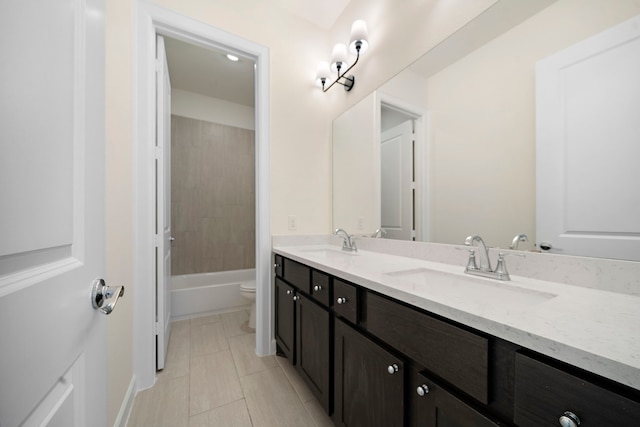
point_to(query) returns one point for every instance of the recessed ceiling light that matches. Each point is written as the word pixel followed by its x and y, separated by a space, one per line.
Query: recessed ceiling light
pixel 232 57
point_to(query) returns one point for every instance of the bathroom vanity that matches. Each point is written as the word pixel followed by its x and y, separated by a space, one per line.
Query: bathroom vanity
pixel 388 340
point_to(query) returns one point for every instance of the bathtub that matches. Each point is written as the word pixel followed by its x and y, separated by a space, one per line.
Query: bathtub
pixel 207 293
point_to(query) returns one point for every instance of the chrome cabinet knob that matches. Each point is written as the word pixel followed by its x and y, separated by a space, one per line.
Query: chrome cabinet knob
pixel 422 390
pixel 341 300
pixel 392 369
pixel 296 297
pixel 317 288
pixel 289 291
pixel 276 265
pixel 569 419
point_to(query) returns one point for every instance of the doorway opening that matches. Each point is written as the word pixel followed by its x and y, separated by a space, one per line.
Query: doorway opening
pixel 403 175
pixel 154 21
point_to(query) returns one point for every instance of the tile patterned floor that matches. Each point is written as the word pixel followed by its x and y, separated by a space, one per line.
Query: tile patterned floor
pixel 214 378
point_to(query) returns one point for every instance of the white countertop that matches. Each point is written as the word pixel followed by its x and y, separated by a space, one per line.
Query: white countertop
pixel 593 329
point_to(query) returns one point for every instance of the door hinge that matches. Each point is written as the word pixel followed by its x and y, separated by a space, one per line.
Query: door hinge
pixel 156 240
pixel 156 328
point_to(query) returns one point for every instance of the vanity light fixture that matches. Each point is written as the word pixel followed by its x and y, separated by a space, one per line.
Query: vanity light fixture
pixel 339 61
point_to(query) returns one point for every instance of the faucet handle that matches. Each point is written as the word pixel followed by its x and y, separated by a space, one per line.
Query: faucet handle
pixel 471 264
pixel 501 267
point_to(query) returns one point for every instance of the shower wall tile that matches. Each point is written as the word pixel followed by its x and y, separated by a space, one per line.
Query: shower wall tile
pixel 213 197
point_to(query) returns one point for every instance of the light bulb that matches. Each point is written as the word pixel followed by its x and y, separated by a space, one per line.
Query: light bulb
pixel 339 57
pixel 359 36
pixel 323 73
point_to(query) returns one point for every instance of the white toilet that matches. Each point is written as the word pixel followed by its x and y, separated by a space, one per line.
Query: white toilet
pixel 248 290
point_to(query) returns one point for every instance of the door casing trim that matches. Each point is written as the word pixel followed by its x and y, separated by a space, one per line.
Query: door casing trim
pixel 149 21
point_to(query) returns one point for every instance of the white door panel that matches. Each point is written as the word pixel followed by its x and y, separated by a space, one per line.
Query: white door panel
pixel 396 158
pixel 53 342
pixel 163 204
pixel 588 104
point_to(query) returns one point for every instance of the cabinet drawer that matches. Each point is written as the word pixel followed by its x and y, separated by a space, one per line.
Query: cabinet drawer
pixel 454 354
pixel 320 287
pixel 345 300
pixel 298 275
pixel 543 393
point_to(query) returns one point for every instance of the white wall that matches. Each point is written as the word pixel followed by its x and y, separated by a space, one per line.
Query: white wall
pixel 119 199
pixel 201 107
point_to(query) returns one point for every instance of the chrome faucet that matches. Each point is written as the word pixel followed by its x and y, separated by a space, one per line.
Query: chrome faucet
pixel 519 238
pixel 348 243
pixel 379 232
pixel 485 262
pixel 485 269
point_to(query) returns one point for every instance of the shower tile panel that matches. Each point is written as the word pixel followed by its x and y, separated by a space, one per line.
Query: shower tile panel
pixel 213 197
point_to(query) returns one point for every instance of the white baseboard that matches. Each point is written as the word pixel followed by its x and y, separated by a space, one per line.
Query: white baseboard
pixel 127 404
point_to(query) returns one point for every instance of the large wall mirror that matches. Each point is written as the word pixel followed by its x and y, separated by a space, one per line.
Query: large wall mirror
pixel 469 106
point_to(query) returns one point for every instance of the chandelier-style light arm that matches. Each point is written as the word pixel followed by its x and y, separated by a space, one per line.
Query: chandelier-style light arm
pixel 349 79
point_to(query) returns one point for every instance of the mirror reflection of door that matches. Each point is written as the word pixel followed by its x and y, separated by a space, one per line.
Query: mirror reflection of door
pixel 397 175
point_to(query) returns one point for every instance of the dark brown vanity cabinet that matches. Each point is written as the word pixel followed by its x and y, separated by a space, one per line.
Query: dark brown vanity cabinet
pixel 313 348
pixel 374 361
pixel 303 324
pixel 369 382
pixel 285 295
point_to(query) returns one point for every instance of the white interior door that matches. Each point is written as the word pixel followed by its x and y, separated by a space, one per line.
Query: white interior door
pixel 53 367
pixel 163 204
pixel 588 146
pixel 397 181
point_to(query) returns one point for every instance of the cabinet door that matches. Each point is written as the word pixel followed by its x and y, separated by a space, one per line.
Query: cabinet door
pixel 312 348
pixel 544 393
pixel 433 406
pixel 369 382
pixel 285 319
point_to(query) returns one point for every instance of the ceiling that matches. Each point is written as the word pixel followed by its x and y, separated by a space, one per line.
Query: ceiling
pixel 207 71
pixel 324 14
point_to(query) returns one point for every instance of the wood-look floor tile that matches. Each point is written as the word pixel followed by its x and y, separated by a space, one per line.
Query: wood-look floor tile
pixel 301 388
pixel 207 338
pixel 235 323
pixel 272 401
pixel 201 320
pixel 166 404
pixel 234 414
pixel 213 382
pixel 247 361
pixel 318 413
pixel 179 351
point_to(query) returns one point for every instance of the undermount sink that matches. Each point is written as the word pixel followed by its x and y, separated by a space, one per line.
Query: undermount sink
pixel 329 252
pixel 488 291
